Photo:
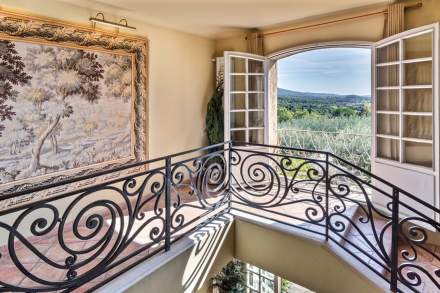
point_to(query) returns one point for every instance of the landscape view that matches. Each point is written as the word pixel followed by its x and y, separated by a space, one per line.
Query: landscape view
pixel 333 109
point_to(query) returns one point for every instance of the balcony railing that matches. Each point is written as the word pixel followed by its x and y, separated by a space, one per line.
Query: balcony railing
pixel 97 233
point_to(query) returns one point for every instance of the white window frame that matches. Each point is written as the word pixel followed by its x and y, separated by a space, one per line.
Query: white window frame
pixel 227 95
pixel 399 38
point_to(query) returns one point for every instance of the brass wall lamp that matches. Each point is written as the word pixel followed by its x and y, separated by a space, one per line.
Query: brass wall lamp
pixel 99 18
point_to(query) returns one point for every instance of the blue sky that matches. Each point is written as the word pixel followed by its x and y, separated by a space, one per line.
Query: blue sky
pixel 333 70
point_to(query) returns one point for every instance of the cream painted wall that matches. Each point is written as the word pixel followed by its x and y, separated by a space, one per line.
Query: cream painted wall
pixel 302 261
pixel 343 31
pixel 366 29
pixel 192 270
pixel 429 13
pixel 181 76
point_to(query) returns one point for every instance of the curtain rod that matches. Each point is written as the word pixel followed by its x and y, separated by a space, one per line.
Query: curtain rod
pixel 384 11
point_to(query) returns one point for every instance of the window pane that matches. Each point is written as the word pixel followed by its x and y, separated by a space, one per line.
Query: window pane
pixel 238 83
pixel 389 53
pixel 256 118
pixel 418 46
pixel 253 280
pixel 418 126
pixel 238 119
pixel 238 65
pixel 238 101
pixel 418 100
pixel 388 100
pixel 388 124
pixel 238 135
pixel 256 83
pixel 419 73
pixel 388 148
pixel 388 75
pixel 256 135
pixel 256 101
pixel 255 66
pixel 418 153
pixel 267 286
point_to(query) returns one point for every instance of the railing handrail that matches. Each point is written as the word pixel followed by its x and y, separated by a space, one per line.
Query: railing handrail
pixel 5 196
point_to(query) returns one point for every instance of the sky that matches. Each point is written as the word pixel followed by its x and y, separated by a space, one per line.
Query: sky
pixel 331 70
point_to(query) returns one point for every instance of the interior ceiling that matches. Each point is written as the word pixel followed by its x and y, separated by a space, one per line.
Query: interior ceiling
pixel 221 18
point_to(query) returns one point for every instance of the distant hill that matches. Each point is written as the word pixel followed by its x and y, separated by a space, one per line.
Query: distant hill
pixel 319 102
pixel 307 95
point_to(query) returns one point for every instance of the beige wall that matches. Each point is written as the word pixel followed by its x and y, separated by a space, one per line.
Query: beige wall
pixel 302 261
pixel 429 13
pixel 344 31
pixel 368 29
pixel 181 76
pixel 192 271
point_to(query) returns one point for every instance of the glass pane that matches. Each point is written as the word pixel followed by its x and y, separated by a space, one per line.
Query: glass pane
pixel 256 83
pixel 238 65
pixel 255 66
pixel 417 126
pixel 238 119
pixel 388 53
pixel 418 73
pixel 388 100
pixel 256 135
pixel 238 135
pixel 256 118
pixel 253 280
pixel 388 148
pixel 267 286
pixel 418 46
pixel 418 153
pixel 387 75
pixel 238 101
pixel 388 124
pixel 418 100
pixel 256 101
pixel 238 83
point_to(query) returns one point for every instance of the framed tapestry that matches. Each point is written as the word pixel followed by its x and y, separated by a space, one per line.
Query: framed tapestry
pixel 73 100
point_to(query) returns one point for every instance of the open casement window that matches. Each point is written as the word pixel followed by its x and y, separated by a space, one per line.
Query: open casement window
pixel 245 100
pixel 405 111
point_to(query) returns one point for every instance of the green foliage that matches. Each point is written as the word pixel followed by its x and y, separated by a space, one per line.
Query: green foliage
pixel 340 124
pixel 214 115
pixel 342 111
pixel 316 122
pixel 285 286
pixel 232 278
pixel 284 114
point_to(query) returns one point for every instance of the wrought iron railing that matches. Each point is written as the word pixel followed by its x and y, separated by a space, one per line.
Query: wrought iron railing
pixel 87 237
pixel 387 229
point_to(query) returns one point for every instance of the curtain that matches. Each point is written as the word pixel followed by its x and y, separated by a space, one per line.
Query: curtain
pixel 389 76
pixel 255 43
